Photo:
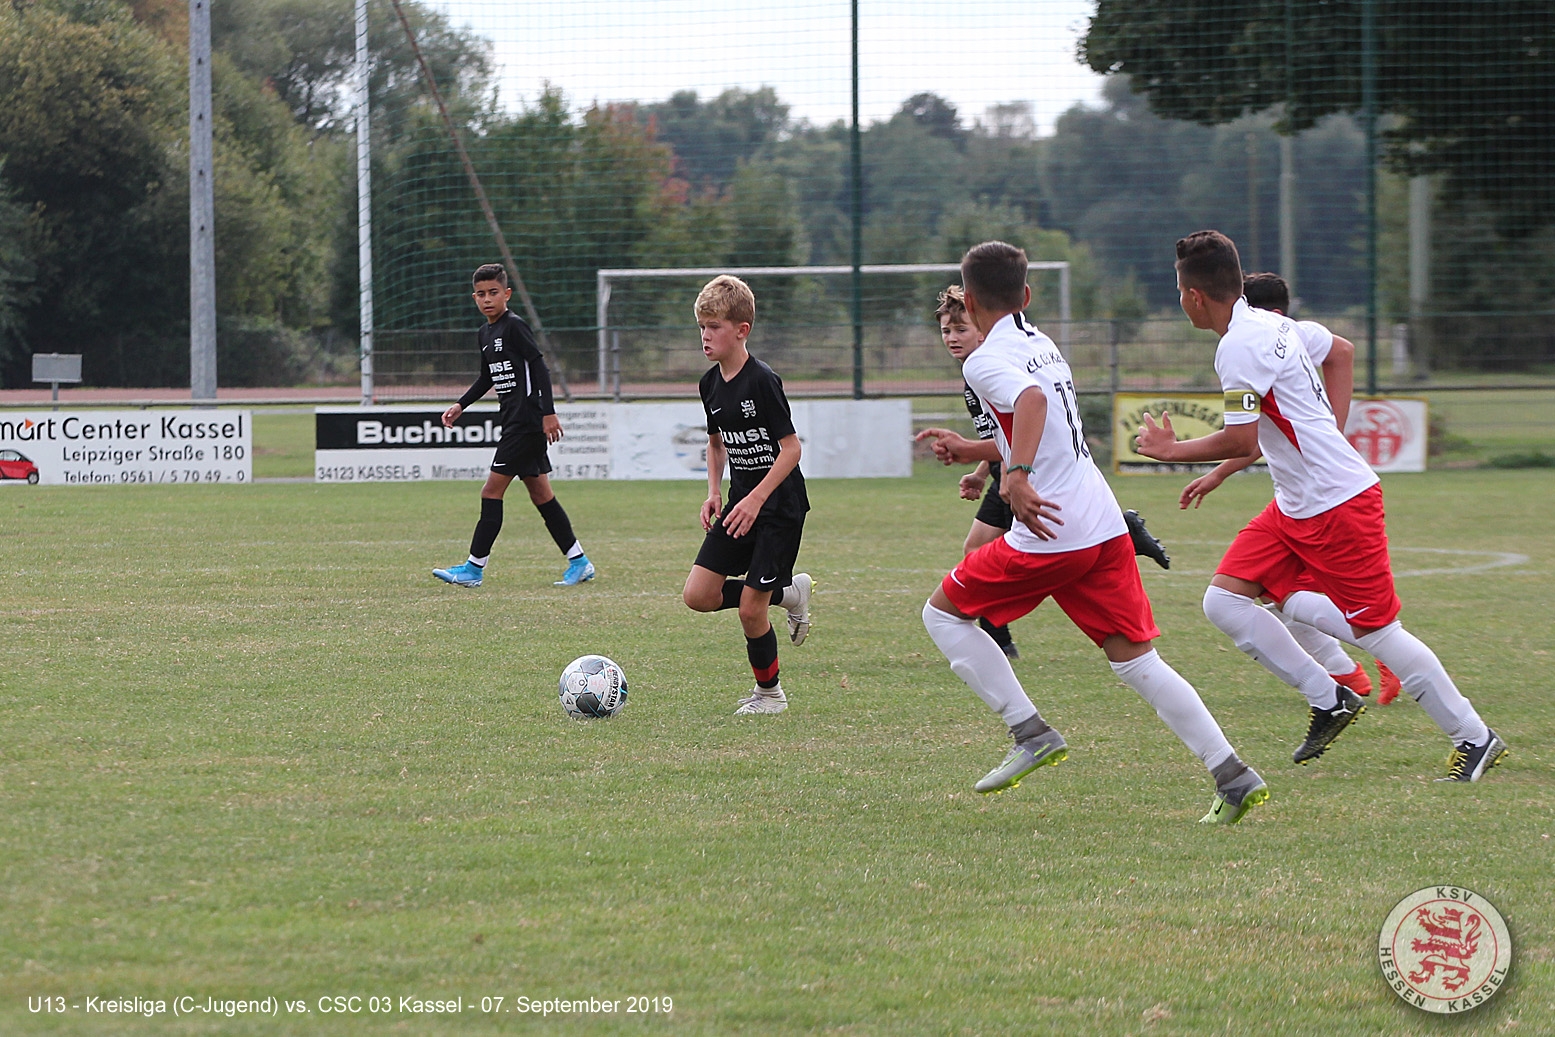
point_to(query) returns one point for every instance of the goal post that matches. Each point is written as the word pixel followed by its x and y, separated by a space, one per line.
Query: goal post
pixel 606 277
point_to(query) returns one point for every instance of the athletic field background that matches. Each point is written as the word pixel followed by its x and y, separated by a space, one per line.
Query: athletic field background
pixel 251 748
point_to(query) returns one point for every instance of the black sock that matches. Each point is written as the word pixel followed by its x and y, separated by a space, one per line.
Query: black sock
pixel 557 524
pixel 1029 728
pixel 762 652
pixel 1000 635
pixel 487 528
pixel 732 591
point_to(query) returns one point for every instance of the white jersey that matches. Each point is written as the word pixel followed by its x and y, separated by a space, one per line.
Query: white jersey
pixel 1014 357
pixel 1269 376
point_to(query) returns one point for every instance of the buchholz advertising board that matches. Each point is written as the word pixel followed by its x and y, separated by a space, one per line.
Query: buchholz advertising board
pixel 1389 432
pixel 125 447
pixel 840 439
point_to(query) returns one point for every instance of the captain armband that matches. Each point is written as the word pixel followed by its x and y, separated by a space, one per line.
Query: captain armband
pixel 1243 401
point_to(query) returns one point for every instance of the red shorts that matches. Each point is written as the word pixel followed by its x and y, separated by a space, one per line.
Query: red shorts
pixel 1097 587
pixel 1342 552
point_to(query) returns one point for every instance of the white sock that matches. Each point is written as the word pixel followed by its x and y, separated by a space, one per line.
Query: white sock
pixel 1426 681
pixel 1418 668
pixel 1327 650
pixel 575 551
pixel 779 597
pixel 480 561
pixel 977 660
pixel 1265 638
pixel 1178 706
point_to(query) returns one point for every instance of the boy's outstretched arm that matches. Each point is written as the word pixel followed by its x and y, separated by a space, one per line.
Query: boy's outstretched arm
pixel 1160 442
pixel 954 448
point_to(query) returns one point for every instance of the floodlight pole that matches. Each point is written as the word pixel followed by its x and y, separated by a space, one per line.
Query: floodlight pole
pixel 485 204
pixel 364 202
pixel 202 210
pixel 857 193
pixel 1369 121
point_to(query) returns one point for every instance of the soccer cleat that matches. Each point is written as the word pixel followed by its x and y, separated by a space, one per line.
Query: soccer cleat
pixel 1391 685
pixel 1325 725
pixel 467 574
pixel 1356 680
pixel 1469 762
pixel 763 700
pixel 1144 543
pixel 1010 651
pixel 579 570
pixel 1235 800
pixel 1047 749
pixel 799 615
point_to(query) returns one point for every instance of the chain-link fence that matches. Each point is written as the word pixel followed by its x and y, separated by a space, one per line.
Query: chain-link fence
pixel 1393 159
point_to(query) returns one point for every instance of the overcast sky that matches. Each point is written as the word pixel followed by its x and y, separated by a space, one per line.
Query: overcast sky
pixel 976 55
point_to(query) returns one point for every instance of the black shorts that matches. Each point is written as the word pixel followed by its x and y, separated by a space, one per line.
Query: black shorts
pixel 521 454
pixel 993 511
pixel 766 554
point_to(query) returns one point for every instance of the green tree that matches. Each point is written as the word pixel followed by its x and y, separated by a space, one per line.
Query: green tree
pixel 710 139
pixel 1469 85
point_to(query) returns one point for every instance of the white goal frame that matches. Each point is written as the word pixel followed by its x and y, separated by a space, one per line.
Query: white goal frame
pixel 603 279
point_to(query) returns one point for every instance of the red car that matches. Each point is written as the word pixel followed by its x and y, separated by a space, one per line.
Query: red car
pixel 15 466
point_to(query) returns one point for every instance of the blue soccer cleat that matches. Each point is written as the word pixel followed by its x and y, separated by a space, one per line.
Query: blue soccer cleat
pixel 467 575
pixel 579 570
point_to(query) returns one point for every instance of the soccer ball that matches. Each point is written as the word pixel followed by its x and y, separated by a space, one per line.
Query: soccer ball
pixel 593 686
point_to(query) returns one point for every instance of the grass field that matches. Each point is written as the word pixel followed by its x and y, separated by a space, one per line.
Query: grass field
pixel 253 749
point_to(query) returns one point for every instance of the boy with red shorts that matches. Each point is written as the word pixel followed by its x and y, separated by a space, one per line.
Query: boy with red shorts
pixel 1068 541
pixel 1326 520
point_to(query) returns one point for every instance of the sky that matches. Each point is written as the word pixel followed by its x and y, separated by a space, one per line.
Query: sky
pixel 975 55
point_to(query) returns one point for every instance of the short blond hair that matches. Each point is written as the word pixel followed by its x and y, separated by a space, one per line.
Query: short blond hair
pixel 726 297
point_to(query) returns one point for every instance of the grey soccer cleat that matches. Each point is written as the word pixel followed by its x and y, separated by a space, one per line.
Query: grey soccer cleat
pixel 1046 749
pixel 799 614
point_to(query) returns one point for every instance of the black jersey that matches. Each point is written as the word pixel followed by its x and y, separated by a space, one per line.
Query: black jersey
pixel 512 364
pixel 750 414
pixel 982 422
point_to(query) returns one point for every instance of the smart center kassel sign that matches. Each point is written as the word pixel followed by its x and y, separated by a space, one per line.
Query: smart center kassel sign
pixel 124 448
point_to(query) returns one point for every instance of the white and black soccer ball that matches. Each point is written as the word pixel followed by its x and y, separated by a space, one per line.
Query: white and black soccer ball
pixel 593 686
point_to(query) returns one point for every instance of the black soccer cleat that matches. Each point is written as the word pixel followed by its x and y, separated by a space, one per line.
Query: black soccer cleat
pixel 1144 543
pixel 1325 725
pixel 1469 762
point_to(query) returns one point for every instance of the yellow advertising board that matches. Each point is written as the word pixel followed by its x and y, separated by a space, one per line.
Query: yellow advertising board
pixel 1390 432
pixel 1194 414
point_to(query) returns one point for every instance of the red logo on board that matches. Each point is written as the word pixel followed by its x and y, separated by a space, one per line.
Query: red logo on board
pixel 1378 430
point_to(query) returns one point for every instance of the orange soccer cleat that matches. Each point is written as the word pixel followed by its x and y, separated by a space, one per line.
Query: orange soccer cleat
pixel 1357 681
pixel 1391 685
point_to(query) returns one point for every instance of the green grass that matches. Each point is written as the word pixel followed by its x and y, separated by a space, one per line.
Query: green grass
pixel 1486 424
pixel 252 748
pixel 283 443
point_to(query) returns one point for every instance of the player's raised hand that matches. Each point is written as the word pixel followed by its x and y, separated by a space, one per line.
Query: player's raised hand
pixel 1156 440
pixel 711 509
pixel 552 427
pixel 948 446
pixel 451 415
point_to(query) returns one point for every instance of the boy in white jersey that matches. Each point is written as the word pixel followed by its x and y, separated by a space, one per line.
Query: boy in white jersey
pixel 1068 541
pixel 1326 519
pixel 1269 291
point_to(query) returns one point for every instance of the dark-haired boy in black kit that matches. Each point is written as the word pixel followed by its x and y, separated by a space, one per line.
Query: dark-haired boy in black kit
pixel 511 363
pixel 749 427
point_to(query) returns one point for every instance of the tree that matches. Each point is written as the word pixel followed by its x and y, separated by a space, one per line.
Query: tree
pixel 1468 84
pixel 711 138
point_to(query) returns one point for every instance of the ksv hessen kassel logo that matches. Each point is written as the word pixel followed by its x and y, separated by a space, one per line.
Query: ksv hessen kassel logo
pixel 1445 949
